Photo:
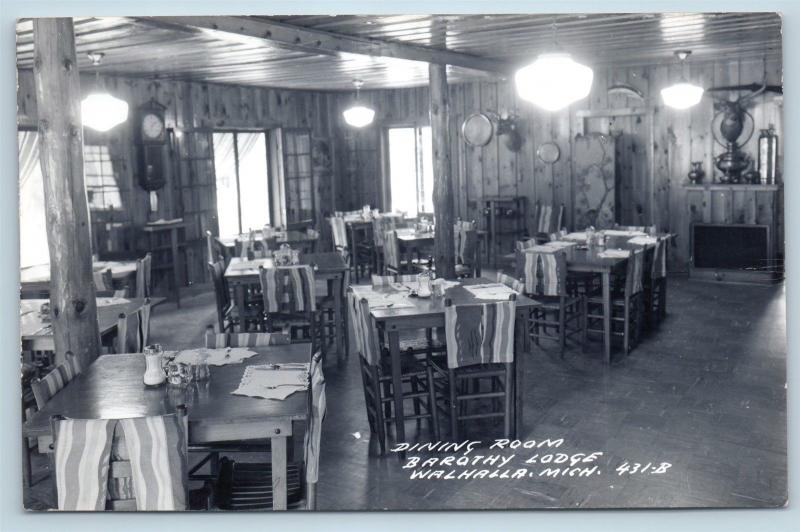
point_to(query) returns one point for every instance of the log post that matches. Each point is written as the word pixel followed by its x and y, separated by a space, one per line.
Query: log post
pixel 73 303
pixel 444 249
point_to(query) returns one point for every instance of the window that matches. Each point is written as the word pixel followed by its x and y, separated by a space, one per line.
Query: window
pixel 240 165
pixel 411 169
pixel 102 189
pixel 297 175
pixel 32 222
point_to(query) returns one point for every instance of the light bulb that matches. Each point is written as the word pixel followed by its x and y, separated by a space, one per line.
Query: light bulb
pixel 554 81
pixel 359 116
pixel 101 111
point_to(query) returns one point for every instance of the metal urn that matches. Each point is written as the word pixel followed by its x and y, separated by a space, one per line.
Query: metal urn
pixel 731 120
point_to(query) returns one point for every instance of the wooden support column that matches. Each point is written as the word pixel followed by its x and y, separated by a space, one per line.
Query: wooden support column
pixel 443 204
pixel 73 305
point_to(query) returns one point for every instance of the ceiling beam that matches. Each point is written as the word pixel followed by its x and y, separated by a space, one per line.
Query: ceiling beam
pixel 306 40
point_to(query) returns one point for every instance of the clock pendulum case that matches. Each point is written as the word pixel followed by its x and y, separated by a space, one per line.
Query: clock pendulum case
pixel 152 146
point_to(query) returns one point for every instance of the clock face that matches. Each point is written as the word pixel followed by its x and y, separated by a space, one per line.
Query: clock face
pixel 152 126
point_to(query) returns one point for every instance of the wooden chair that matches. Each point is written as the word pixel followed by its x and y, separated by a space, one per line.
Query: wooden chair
pixel 257 339
pixel 215 249
pixel 52 383
pixel 655 285
pixel 548 220
pixel 227 313
pixel 478 358
pixel 545 278
pixel 467 251
pixel 104 285
pixel 380 225
pixel 417 378
pixel 133 464
pixel 339 233
pixel 143 269
pixel 249 486
pixel 289 300
pixel 133 330
pixel 558 235
pixel 511 282
pixel 626 305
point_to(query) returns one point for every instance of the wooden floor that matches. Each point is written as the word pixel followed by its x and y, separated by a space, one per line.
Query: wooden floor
pixel 706 393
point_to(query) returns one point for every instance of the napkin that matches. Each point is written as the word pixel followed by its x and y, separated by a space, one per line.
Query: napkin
pixel 216 357
pixel 108 301
pixel 614 254
pixel 492 291
pixel 273 381
pixel 577 236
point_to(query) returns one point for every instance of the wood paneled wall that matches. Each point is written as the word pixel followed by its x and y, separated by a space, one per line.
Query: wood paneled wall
pixel 194 110
pixel 653 153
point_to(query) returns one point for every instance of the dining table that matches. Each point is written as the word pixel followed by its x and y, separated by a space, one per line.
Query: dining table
pixel 36 331
pixel 581 258
pixel 112 388
pixel 35 280
pixel 292 237
pixel 416 313
pixel 329 267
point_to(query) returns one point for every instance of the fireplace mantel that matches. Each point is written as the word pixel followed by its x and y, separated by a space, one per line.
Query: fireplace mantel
pixel 733 187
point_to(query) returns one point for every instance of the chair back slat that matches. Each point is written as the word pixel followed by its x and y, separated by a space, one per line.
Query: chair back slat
pixel 364 330
pixel 545 272
pixel 143 269
pixel 381 224
pixel 45 388
pixel 391 250
pixel 511 282
pixel 635 271
pixel 381 280
pixel 659 266
pixel 339 232
pixel 480 334
pixel 157 450
pixel 256 339
pixel 545 220
pixel 317 408
pixel 288 289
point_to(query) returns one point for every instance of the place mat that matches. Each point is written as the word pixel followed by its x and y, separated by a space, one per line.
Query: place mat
pixel 618 232
pixel 248 264
pixel 579 236
pixel 108 301
pixel 614 254
pixel 215 357
pixel 643 240
pixel 273 381
pixel 492 291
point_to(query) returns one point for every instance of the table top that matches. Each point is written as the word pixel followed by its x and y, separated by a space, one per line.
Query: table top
pixel 281 237
pixel 324 263
pixel 112 388
pixel 40 273
pixel 429 307
pixel 108 310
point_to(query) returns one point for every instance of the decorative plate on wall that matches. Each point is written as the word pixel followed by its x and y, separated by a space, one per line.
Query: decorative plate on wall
pixel 477 129
pixel 548 152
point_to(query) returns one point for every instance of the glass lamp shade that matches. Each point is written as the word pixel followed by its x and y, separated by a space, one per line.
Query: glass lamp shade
pixel 554 81
pixel 682 95
pixel 101 111
pixel 359 116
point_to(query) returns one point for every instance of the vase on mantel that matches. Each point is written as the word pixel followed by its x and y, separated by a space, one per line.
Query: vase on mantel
pixel 696 174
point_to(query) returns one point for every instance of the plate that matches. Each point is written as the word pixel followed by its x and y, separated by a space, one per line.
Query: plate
pixel 548 152
pixel 477 129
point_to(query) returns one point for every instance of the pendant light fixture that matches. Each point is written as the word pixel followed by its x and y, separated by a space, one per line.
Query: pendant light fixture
pixel 682 95
pixel 358 115
pixel 99 110
pixel 554 80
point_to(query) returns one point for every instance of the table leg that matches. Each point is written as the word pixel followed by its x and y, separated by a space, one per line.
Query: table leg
pixel 279 491
pixel 336 285
pixel 239 295
pixel 607 316
pixel 353 249
pixel 521 347
pixel 397 386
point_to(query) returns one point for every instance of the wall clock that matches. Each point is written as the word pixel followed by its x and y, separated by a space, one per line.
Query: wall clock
pixel 152 145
